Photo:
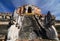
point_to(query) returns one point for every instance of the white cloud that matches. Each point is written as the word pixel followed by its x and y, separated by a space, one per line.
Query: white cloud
pixel 58 18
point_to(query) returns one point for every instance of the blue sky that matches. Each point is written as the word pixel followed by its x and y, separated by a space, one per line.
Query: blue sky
pixel 45 5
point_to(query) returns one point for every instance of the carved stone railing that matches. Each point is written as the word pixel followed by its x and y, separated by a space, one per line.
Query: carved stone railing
pixel 2 37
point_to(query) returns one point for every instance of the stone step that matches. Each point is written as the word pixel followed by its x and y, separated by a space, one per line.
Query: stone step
pixel 36 40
